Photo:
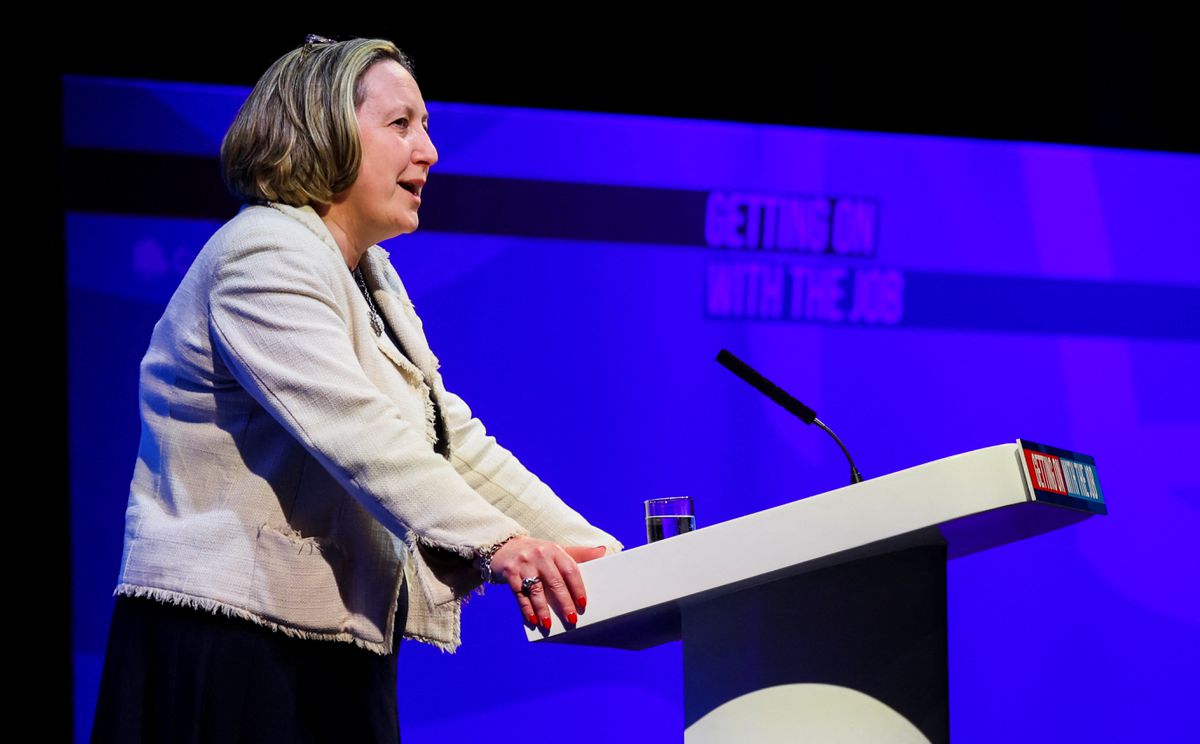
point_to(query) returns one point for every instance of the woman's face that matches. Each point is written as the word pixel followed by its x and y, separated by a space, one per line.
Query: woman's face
pixel 396 149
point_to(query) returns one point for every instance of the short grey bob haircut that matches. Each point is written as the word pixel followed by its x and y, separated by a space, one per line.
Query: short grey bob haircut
pixel 295 139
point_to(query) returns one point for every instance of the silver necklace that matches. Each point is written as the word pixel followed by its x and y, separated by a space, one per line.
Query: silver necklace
pixel 376 322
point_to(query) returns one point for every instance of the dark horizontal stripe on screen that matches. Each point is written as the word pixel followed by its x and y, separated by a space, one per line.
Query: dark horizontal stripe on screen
pixel 1056 306
pixel 966 302
pixel 118 182
pixel 150 184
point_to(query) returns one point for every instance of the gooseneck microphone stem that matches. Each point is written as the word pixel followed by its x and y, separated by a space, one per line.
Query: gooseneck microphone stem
pixel 786 401
pixel 855 476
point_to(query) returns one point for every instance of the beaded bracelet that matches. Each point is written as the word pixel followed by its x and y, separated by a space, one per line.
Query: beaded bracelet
pixel 484 561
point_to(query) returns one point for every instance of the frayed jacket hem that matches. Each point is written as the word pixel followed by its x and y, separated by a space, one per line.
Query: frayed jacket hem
pixel 216 607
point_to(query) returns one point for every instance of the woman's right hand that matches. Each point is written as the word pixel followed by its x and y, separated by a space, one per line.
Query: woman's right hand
pixel 561 586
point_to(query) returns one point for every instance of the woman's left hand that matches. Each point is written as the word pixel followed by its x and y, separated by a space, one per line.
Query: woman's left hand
pixel 559 586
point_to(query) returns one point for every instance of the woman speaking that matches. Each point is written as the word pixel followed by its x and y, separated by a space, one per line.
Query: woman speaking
pixel 306 490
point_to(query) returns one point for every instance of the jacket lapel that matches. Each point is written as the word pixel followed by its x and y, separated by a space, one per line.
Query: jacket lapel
pixel 399 316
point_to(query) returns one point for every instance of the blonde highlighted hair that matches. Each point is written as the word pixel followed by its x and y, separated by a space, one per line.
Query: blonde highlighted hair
pixel 295 139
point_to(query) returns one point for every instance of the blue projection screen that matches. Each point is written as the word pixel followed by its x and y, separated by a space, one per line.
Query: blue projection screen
pixel 577 274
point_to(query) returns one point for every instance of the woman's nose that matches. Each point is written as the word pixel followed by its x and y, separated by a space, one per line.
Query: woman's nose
pixel 425 151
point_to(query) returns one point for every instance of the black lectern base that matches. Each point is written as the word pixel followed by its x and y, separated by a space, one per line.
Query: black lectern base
pixel 875 625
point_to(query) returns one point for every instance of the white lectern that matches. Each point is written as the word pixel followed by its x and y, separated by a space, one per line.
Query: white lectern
pixel 825 619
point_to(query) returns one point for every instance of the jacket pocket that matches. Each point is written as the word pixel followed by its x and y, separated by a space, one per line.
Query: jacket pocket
pixel 296 579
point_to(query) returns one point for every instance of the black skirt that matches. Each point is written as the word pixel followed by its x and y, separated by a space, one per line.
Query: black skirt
pixel 182 675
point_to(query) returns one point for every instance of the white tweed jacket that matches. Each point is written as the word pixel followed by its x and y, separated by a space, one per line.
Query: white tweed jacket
pixel 286 471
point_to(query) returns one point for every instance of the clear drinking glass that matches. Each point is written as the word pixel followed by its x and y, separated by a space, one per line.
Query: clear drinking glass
pixel 668 517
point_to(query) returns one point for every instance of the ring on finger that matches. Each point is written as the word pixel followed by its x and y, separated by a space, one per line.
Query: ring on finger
pixel 527 584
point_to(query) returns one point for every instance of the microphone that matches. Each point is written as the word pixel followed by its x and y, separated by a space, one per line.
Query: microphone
pixel 789 404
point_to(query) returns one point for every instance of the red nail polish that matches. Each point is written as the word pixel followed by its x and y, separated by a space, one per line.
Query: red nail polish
pixel 546 623
pixel 583 603
pixel 572 618
pixel 533 620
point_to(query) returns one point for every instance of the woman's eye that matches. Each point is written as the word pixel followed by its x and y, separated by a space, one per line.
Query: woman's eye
pixel 402 122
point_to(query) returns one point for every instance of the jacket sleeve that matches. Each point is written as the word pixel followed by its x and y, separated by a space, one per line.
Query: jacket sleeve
pixel 500 478
pixel 276 324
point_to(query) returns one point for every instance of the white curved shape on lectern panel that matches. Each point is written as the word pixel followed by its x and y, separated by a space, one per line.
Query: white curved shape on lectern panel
pixel 820 714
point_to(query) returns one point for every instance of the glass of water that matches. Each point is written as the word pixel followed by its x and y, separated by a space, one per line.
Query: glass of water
pixel 668 517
